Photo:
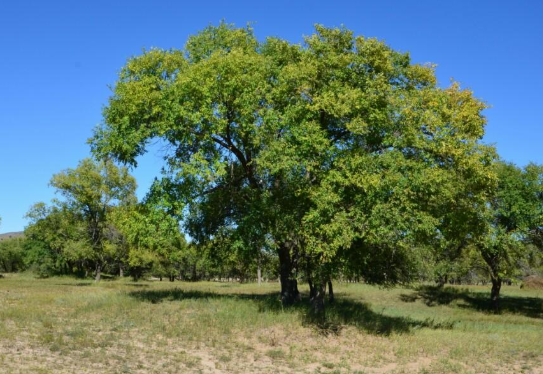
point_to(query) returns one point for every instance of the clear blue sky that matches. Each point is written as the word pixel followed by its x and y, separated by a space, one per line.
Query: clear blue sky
pixel 57 59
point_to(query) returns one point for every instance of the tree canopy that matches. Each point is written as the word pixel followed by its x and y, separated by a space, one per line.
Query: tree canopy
pixel 514 220
pixel 90 191
pixel 339 150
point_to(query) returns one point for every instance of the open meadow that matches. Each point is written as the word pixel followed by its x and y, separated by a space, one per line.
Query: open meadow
pixel 65 325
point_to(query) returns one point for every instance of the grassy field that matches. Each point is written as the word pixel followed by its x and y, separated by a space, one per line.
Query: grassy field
pixel 63 325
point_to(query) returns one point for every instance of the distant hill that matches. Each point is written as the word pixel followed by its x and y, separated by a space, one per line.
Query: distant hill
pixel 11 235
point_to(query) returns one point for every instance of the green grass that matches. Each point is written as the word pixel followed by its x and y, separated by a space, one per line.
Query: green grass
pixel 64 325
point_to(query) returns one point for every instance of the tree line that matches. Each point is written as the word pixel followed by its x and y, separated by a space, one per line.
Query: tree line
pixel 337 158
pixel 100 227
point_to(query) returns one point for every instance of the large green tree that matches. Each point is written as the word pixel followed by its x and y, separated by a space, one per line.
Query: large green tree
pixel 339 151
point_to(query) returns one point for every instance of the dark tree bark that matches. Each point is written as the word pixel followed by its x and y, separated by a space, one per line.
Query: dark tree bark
pixel 495 294
pixel 331 297
pixel 289 284
pixel 309 272
pixel 312 289
pixel 442 281
pixel 194 275
pixel 493 262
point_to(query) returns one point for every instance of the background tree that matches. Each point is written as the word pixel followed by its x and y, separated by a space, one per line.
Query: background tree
pixel 12 255
pixel 339 150
pixel 152 237
pixel 515 214
pixel 90 191
pixel 56 240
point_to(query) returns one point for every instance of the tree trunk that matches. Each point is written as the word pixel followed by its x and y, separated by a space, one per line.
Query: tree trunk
pixel 442 281
pixel 289 284
pixel 331 297
pixel 193 277
pixel 121 271
pixel 312 289
pixel 259 274
pixel 317 302
pixel 495 294
pixel 98 272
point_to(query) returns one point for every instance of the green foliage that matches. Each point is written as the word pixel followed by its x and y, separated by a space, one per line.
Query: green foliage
pixel 339 152
pixel 230 256
pixel 153 239
pixel 56 240
pixel 514 221
pixel 91 190
pixel 12 255
pixel 72 235
pixel 337 157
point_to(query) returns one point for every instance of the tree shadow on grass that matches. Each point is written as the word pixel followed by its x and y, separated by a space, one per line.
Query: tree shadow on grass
pixel 343 312
pixel 480 301
pixel 77 284
pixel 90 283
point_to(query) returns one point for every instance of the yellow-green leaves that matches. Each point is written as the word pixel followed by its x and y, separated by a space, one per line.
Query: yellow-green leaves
pixel 340 145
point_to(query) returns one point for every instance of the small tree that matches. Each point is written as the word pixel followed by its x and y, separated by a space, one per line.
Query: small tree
pixel 516 212
pixel 91 190
pixel 152 238
pixel 12 255
pixel 56 240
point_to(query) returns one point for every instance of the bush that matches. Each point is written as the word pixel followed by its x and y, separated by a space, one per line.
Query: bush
pixel 533 282
pixel 11 255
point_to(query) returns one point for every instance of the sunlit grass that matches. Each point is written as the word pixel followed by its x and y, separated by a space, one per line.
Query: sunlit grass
pixel 64 325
